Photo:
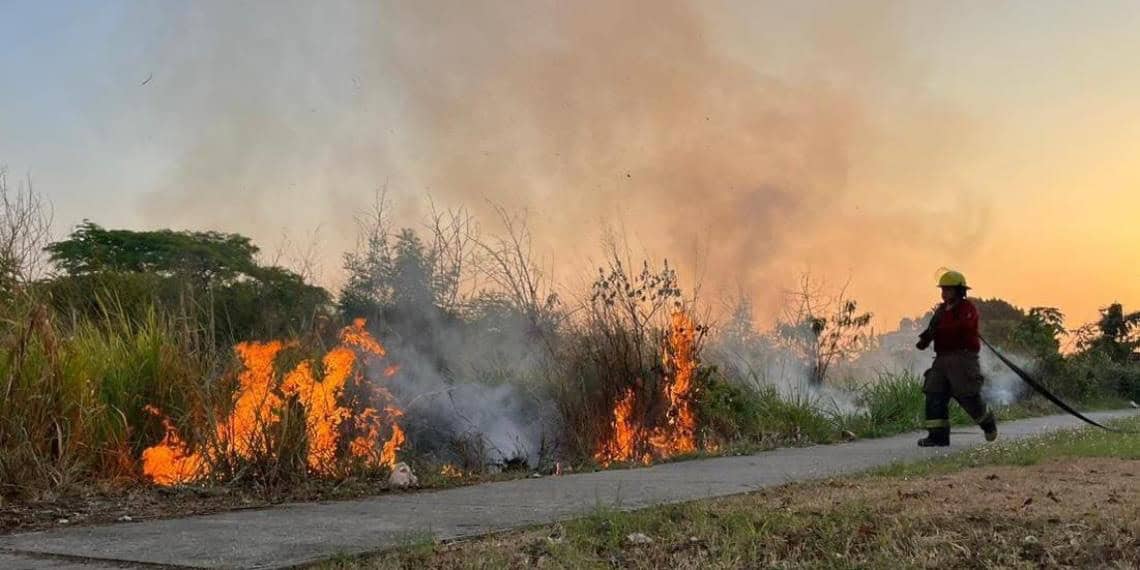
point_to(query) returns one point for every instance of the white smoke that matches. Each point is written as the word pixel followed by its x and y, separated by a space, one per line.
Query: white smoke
pixel 1003 387
pixel 467 401
pixel 764 362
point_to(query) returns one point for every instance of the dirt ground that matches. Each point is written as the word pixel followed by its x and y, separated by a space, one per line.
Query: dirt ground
pixel 111 503
pixel 1076 513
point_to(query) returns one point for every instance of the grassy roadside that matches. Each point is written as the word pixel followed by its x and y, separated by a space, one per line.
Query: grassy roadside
pixel 1064 499
pixel 891 406
pixel 1070 444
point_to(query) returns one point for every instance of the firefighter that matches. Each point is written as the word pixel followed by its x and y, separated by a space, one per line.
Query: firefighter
pixel 956 372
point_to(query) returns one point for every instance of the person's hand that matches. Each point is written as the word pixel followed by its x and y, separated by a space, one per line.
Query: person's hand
pixel 923 342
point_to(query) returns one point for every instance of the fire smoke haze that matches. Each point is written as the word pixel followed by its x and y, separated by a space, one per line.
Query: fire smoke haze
pixel 749 142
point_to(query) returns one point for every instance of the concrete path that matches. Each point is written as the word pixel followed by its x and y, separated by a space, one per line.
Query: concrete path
pixel 290 535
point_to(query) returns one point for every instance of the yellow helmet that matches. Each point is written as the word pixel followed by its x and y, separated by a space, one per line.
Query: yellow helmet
pixel 952 278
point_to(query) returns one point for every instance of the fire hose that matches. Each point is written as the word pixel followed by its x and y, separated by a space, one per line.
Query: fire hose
pixel 1041 389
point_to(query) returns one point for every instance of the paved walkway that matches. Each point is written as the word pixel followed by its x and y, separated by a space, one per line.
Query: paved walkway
pixel 289 535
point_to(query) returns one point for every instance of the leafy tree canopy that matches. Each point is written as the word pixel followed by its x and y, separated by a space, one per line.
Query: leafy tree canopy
pixel 1116 334
pixel 171 269
pixel 206 256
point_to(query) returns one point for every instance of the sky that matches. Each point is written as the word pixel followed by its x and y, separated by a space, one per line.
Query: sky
pixel 868 143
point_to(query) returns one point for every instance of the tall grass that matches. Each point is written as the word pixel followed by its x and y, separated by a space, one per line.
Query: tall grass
pixel 893 403
pixel 750 413
pixel 753 411
pixel 74 392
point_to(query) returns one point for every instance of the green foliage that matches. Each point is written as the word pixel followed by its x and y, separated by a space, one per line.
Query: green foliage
pixel 1116 334
pixel 1082 442
pixel 397 274
pixel 894 403
pixel 802 414
pixel 1038 333
pixel 206 257
pixel 997 320
pixel 1093 375
pixel 752 413
pixel 1105 366
pixel 206 278
pixel 276 303
pixel 731 411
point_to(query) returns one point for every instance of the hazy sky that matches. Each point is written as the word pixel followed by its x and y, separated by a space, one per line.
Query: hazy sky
pixel 876 141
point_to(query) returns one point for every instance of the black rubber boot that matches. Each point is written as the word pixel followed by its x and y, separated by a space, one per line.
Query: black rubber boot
pixel 989 426
pixel 936 437
pixel 981 414
pixel 937 420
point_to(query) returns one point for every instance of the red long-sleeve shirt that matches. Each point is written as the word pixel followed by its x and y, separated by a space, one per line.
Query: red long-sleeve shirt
pixel 958 328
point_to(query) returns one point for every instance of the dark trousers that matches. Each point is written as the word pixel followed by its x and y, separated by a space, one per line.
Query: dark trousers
pixel 956 375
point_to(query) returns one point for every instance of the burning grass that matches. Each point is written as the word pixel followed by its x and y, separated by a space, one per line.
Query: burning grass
pixel 152 399
pixel 341 426
pixel 631 438
pixel 124 400
pixel 75 396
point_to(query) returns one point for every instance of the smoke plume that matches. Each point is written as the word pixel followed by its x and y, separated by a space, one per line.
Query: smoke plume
pixel 662 118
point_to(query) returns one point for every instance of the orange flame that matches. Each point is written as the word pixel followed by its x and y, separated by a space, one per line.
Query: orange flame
pixel 259 403
pixel 620 446
pixel 680 357
pixel 628 437
pixel 388 455
pixel 244 429
pixel 170 462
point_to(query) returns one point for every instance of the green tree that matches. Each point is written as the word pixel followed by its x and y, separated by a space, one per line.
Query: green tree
pixel 209 276
pixel 413 281
pixel 1116 334
pixel 1039 332
pixel 205 257
pixel 368 287
pixel 393 274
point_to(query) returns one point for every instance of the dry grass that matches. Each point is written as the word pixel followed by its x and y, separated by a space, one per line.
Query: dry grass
pixel 1064 513
pixel 1066 499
